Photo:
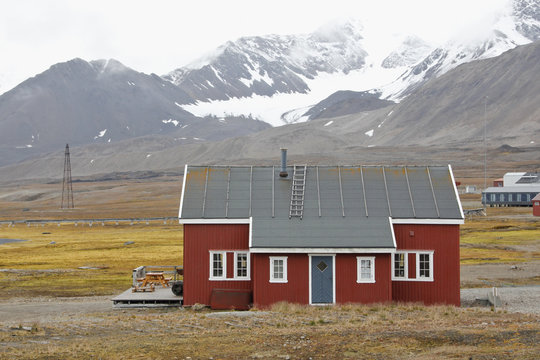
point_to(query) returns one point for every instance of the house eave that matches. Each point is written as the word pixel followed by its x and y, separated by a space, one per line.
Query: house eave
pixel 216 221
pixel 429 221
pixel 261 250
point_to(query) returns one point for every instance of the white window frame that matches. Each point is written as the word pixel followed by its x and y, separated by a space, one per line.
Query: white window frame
pixel 406 264
pixel 248 264
pixel 224 264
pixel 359 260
pixel 417 263
pixel 273 279
pixel 424 278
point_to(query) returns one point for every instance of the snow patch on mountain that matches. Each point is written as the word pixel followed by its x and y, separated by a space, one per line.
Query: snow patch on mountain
pixel 171 121
pixel 100 134
pixel 271 109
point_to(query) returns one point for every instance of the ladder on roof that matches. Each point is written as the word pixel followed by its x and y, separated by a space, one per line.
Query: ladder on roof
pixel 298 190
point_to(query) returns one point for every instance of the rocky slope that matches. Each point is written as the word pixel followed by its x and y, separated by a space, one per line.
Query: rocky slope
pixel 103 101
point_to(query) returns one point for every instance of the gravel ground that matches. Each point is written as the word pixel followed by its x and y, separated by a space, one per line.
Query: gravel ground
pixel 522 299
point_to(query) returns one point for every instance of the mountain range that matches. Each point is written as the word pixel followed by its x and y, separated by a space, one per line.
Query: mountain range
pixel 417 93
pixel 279 78
pixel 443 121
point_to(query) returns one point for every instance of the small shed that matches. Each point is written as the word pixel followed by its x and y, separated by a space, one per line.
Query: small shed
pixel 321 234
pixel 536 205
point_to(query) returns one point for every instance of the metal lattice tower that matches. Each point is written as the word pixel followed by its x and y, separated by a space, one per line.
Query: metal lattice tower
pixel 67 185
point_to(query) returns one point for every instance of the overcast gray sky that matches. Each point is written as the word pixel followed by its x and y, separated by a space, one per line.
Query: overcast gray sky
pixel 159 36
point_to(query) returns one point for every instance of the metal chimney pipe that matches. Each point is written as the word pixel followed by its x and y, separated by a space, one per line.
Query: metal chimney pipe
pixel 283 173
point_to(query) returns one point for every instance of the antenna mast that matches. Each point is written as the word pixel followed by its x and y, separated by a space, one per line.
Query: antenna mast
pixel 67 185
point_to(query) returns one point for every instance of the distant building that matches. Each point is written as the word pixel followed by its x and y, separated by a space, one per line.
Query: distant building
pixel 536 205
pixel 498 182
pixel 517 189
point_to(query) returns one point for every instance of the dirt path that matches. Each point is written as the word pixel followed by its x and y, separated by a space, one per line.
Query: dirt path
pixel 17 311
pixel 522 299
pixel 487 275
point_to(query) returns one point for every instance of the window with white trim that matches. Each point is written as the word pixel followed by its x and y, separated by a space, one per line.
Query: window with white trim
pixel 365 269
pixel 400 266
pixel 241 265
pixel 218 265
pixel 423 261
pixel 424 266
pixel 278 269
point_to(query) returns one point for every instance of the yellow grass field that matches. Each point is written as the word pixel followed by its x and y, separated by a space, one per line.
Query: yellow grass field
pixel 50 261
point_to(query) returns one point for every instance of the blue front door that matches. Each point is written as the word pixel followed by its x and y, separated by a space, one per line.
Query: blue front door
pixel 322 280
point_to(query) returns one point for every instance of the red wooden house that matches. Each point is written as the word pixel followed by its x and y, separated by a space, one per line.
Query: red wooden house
pixel 321 234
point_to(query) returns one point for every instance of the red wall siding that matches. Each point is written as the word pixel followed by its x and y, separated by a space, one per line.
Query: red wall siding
pixel 198 241
pixel 348 290
pixel 412 264
pixel 296 290
pixel 444 241
pixel 230 265
pixel 536 207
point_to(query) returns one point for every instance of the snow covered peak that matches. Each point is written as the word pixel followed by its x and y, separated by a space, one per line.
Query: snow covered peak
pixel 410 51
pixel 340 30
pixel 272 64
pixel 527 15
pixel 498 32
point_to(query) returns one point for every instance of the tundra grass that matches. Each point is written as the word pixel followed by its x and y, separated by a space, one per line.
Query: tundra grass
pixel 83 260
pixel 285 331
pixel 495 240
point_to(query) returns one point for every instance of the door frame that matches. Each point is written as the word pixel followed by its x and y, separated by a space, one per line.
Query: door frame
pixel 310 268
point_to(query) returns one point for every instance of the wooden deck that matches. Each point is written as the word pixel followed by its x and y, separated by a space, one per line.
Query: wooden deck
pixel 161 297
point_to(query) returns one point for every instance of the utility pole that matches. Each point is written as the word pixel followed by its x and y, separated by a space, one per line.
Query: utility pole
pixel 67 185
pixel 485 152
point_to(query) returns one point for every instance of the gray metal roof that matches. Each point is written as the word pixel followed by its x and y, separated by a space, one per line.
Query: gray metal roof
pixel 533 188
pixel 530 178
pixel 346 206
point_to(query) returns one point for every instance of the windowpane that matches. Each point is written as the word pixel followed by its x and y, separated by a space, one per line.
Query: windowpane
pixel 217 265
pixel 278 269
pixel 399 265
pixel 424 265
pixel 241 265
pixel 365 269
